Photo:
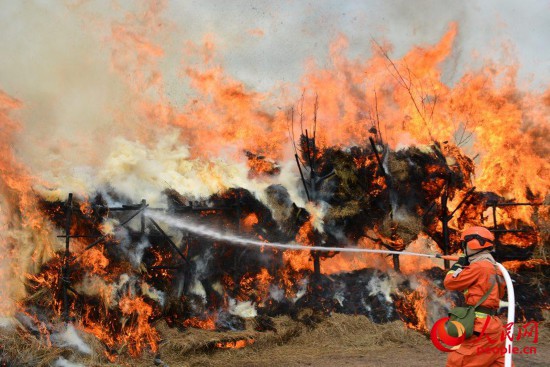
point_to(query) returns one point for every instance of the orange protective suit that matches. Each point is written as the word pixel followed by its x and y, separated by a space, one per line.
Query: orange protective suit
pixel 475 280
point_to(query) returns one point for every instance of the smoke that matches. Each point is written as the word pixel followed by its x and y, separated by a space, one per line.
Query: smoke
pixel 62 362
pixel 294 32
pixel 70 338
pixel 380 286
pixel 91 74
pixel 435 302
pixel 243 309
pixel 95 286
pixel 57 97
pixel 51 62
pixel 153 293
pixel 99 114
pixel 198 289
pixel 100 83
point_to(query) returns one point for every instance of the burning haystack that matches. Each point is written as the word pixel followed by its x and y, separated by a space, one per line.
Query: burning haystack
pixel 165 243
pixel 128 268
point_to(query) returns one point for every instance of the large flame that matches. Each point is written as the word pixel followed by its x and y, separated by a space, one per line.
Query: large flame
pixel 26 239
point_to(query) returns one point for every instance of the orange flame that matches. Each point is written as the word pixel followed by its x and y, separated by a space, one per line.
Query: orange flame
pixel 248 222
pixel 26 230
pixel 205 324
pixel 141 332
pixel 235 344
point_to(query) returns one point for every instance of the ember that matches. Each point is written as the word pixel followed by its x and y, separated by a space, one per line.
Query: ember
pixel 237 344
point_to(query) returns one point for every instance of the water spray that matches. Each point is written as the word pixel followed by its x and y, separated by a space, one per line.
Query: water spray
pixel 238 240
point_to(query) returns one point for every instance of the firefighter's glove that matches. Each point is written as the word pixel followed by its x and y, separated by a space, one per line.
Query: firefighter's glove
pixel 462 261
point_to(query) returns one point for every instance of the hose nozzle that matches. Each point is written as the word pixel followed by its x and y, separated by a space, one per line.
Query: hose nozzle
pixel 447 257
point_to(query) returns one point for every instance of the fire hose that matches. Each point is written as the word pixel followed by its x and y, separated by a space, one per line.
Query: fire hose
pixel 214 234
pixel 511 314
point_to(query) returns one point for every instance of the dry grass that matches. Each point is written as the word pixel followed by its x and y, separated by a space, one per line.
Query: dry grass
pixel 18 348
pixel 293 341
pixel 339 335
pixel 337 340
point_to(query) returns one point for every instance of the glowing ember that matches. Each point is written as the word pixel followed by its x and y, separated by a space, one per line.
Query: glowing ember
pixel 206 324
pixel 236 344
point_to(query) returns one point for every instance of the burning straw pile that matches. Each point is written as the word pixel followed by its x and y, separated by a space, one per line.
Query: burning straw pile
pixel 132 285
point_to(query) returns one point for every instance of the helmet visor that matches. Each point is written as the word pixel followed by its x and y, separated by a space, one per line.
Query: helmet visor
pixel 482 240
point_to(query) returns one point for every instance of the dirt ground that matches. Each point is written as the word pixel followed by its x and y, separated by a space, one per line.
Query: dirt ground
pixel 421 355
pixel 338 340
pixel 350 341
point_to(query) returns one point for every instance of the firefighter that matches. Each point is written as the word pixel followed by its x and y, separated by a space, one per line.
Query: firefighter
pixel 473 274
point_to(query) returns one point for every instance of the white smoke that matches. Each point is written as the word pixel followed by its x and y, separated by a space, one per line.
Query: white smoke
pixel 144 172
pixel 378 286
pixel 198 289
pixel 135 251
pixel 91 285
pixel 243 309
pixel 62 362
pixel 7 322
pixel 276 293
pixel 81 126
pixel 153 293
pixel 69 338
pixel 302 289
pixel 436 305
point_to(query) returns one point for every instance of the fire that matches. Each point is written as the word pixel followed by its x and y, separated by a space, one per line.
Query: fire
pixel 259 166
pixel 264 281
pixel 250 221
pixel 344 262
pixel 131 330
pixel 95 261
pixel 86 208
pixel 205 324
pixel 141 333
pixel 413 308
pixel 100 331
pixel 47 281
pixel 516 265
pixel 235 344
pixel 301 260
pixel 27 239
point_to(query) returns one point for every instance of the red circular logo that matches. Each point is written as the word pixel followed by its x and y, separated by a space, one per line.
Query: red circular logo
pixel 441 338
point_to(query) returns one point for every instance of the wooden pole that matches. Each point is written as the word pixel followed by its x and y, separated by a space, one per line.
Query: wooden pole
pixel 142 228
pixel 302 176
pixel 445 222
pixel 65 268
pixel 495 224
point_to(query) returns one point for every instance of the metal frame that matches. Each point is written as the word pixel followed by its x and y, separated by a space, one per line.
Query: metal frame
pixel 139 209
pixel 445 217
pixel 494 205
